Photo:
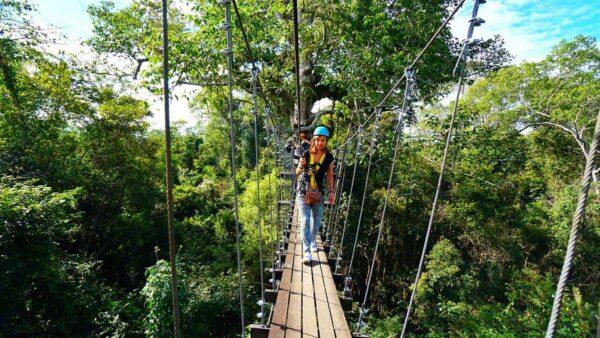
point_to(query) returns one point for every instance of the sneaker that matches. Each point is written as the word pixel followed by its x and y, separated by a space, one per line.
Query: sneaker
pixel 307 258
pixel 313 247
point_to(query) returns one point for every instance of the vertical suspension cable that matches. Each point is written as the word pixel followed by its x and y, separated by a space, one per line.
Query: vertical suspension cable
pixel 261 302
pixel 341 247
pixel 474 21
pixel 433 208
pixel 418 57
pixel 170 217
pixel 335 206
pixel 229 53
pixel 339 187
pixel 398 137
pixel 251 57
pixel 576 223
pixel 297 60
pixel 270 195
pixel 364 197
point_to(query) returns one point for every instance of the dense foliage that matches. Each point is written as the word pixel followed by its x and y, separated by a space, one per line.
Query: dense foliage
pixel 83 234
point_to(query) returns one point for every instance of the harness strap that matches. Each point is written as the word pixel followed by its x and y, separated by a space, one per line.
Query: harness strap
pixel 313 181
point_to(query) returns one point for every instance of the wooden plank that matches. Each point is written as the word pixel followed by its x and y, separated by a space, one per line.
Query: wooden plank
pixel 308 303
pixel 326 328
pixel 278 322
pixel 294 320
pixel 309 314
pixel 337 313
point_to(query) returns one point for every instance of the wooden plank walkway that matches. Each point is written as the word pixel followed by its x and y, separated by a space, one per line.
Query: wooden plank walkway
pixel 307 302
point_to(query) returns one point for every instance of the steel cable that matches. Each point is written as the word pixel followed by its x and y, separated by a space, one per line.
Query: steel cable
pixel 229 52
pixel 297 60
pixel 398 137
pixel 252 60
pixel 472 23
pixel 270 196
pixel 576 224
pixel 364 197
pixel 261 303
pixel 356 152
pixel 412 65
pixel 433 208
pixel 339 188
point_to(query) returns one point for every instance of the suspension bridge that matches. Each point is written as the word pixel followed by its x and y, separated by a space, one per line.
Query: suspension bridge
pixel 310 300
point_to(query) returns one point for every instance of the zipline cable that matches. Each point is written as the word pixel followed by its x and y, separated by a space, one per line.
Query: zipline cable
pixel 412 65
pixel 229 52
pixel 577 221
pixel 474 21
pixel 170 212
pixel 364 197
pixel 261 302
pixel 297 60
pixel 398 136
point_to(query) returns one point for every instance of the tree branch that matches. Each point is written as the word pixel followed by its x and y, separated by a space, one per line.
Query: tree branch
pixel 140 62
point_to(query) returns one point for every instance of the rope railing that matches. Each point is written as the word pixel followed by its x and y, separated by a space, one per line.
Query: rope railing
pixel 575 225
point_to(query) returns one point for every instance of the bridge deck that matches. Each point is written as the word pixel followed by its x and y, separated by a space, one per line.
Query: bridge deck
pixel 307 304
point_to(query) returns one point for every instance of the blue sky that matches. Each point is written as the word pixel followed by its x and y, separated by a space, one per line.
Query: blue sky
pixel 70 16
pixel 531 27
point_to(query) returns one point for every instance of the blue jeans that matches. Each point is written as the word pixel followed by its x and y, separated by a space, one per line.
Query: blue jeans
pixel 310 220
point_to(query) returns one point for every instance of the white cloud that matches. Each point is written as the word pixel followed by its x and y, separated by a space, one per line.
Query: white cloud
pixel 529 28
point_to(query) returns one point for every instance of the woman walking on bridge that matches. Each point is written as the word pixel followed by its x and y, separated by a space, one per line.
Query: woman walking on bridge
pixel 314 164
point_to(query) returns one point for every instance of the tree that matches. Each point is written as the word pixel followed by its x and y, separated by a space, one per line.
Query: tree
pixel 561 92
pixel 351 51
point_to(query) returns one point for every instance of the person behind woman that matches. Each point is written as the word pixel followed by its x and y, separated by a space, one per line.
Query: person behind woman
pixel 314 165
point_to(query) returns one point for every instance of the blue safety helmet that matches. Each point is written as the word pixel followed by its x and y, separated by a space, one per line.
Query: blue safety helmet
pixel 321 131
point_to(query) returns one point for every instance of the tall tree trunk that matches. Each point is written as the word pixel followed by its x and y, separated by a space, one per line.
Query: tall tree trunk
pixel 308 80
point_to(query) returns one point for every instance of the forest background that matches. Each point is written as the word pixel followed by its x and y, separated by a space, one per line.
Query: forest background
pixel 83 235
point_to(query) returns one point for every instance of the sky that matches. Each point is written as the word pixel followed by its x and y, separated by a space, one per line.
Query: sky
pixel 529 27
